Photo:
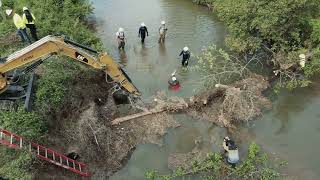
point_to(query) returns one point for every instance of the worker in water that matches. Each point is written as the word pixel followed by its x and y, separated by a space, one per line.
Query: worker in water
pixel 121 38
pixel 185 56
pixel 29 19
pixel 162 32
pixel 174 84
pixel 20 25
pixel 231 151
pixel 143 31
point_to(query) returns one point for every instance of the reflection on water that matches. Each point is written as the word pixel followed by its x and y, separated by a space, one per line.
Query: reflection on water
pixel 291 129
pixel 149 64
pixel 162 50
pixel 181 140
pixel 123 57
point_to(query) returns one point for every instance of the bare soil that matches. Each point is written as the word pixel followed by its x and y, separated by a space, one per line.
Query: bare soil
pixel 84 123
pixel 84 126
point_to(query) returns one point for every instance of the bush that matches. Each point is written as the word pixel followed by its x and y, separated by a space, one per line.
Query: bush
pixel 217 66
pixel 282 24
pixel 257 165
pixel 26 124
pixel 59 17
pixel 15 165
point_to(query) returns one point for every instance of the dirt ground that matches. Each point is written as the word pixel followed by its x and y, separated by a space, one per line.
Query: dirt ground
pixel 83 126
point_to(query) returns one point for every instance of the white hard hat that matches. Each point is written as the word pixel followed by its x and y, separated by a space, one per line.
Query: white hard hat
pixel 24 8
pixel 121 29
pixel 163 22
pixel 174 78
pixel 185 49
pixel 302 56
pixel 142 24
pixel 226 139
pixel 8 12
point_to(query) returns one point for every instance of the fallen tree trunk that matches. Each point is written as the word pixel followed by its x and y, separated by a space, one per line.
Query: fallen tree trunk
pixel 227 104
pixel 172 105
pixel 134 116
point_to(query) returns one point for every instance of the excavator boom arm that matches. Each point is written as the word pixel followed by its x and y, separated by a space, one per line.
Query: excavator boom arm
pixel 51 45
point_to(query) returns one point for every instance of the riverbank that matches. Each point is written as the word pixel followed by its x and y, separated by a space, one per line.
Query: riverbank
pixel 56 86
pixel 94 108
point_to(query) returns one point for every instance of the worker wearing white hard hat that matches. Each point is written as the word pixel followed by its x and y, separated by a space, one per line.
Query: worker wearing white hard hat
pixel 29 20
pixel 121 38
pixel 20 25
pixel 162 32
pixel 302 58
pixel 231 151
pixel 143 32
pixel 185 53
pixel 173 82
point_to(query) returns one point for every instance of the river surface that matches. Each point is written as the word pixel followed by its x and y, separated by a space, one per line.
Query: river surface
pixel 290 131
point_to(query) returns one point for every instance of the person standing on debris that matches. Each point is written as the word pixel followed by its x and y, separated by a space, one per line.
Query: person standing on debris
pixel 231 151
pixel 21 27
pixel 29 19
pixel 143 31
pixel 162 32
pixel 185 56
pixel 121 38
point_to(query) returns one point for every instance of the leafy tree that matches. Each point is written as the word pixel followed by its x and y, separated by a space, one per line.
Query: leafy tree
pixel 276 24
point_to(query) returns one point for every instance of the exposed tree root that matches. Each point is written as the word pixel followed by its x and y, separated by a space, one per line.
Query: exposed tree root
pixel 225 105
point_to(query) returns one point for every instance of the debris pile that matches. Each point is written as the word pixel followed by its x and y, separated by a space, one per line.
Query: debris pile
pixel 225 105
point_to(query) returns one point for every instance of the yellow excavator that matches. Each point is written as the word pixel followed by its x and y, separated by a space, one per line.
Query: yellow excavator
pixel 34 54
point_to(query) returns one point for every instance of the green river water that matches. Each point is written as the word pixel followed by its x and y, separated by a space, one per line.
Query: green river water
pixel 291 130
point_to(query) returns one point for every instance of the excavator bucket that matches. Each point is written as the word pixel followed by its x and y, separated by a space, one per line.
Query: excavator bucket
pixel 121 97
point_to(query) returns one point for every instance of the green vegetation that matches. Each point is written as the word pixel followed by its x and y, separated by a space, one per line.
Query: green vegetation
pixel 257 165
pixel 283 29
pixel 15 165
pixel 217 66
pixel 62 17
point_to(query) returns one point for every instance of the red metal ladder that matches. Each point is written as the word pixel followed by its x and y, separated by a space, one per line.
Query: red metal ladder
pixel 16 142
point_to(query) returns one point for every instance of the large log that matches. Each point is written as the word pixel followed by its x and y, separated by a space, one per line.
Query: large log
pixel 138 115
pixel 176 105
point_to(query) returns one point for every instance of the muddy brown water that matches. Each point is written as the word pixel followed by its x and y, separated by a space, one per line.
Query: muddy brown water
pixel 290 131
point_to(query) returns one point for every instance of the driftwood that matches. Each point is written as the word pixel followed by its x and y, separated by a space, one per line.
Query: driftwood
pixel 226 104
pixel 172 105
pixel 134 116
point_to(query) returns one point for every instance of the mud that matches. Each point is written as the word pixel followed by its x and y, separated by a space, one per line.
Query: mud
pixel 198 153
pixel 83 126
pixel 184 160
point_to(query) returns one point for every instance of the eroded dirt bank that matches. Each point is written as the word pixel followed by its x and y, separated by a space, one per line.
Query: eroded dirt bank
pixel 84 126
